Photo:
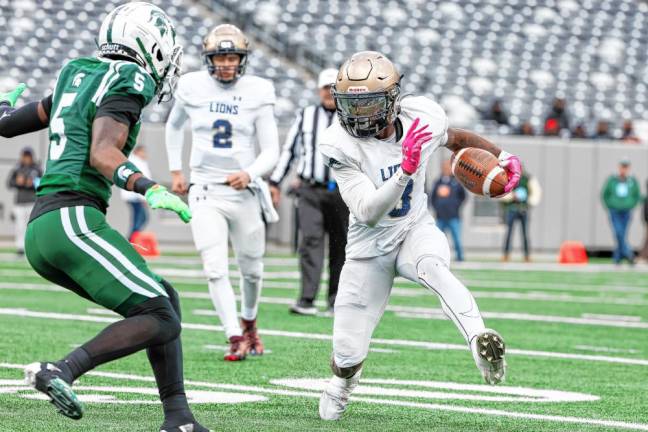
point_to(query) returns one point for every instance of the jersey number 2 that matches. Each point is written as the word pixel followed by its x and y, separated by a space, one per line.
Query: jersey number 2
pixel 405 202
pixel 57 127
pixel 223 136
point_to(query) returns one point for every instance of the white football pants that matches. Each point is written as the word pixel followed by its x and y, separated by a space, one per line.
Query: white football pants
pixel 219 211
pixel 365 285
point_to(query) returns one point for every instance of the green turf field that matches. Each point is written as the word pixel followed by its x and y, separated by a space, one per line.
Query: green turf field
pixel 578 357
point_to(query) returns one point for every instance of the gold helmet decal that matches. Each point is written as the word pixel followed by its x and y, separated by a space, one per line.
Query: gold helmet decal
pixel 225 39
pixel 366 93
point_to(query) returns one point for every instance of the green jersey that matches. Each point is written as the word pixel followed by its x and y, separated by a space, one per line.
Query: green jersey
pixel 83 84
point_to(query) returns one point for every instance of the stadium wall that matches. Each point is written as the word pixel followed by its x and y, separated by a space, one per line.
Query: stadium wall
pixel 571 173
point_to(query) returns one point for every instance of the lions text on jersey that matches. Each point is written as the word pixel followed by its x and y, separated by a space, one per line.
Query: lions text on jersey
pixel 378 160
pixel 226 123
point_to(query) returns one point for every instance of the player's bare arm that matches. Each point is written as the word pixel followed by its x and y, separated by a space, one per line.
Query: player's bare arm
pixel 459 139
pixel 108 138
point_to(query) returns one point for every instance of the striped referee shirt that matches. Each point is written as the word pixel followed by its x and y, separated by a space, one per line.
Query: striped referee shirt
pixel 302 145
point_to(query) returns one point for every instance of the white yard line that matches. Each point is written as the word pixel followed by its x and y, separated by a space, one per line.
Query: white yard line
pixel 196 276
pixel 327 337
pixel 416 292
pixel 378 401
pixel 438 314
pixel 606 349
pixel 400 311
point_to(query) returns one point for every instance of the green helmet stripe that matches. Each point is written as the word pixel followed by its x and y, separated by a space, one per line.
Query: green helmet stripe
pixel 149 60
pixel 110 26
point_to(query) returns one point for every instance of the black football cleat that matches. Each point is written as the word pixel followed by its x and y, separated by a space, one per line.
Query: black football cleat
pixel 49 379
pixel 188 427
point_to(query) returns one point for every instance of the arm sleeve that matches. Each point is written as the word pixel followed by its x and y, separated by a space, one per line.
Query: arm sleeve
pixel 366 202
pixel 289 150
pixel 124 109
pixel 24 120
pixel 268 139
pixel 174 135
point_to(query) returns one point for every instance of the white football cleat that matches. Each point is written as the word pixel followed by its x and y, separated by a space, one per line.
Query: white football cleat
pixel 335 398
pixel 488 350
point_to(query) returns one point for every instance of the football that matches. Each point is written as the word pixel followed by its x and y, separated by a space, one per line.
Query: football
pixel 479 172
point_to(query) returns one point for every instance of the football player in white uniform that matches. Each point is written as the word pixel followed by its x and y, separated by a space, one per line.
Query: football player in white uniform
pixel 380 171
pixel 230 113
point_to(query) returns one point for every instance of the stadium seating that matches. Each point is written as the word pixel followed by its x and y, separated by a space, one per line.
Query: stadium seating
pixel 464 53
pixel 39 36
pixel 468 52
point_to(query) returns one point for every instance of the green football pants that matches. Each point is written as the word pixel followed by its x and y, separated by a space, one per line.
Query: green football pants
pixel 76 248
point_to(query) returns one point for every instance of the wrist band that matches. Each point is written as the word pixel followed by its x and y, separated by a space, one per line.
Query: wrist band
pixel 123 173
pixel 143 184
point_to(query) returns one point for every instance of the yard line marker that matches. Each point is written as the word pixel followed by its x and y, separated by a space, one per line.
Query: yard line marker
pixel 328 337
pixel 410 404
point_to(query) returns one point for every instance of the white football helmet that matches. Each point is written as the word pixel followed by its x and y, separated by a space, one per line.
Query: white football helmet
pixel 143 33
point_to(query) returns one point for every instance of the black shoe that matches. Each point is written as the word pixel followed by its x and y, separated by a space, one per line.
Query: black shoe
pixel 49 379
pixel 303 308
pixel 188 427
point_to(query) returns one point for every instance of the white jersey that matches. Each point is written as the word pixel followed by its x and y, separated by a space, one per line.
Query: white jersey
pixel 226 123
pixel 363 168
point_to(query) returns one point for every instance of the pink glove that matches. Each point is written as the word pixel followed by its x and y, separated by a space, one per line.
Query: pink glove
pixel 412 144
pixel 513 168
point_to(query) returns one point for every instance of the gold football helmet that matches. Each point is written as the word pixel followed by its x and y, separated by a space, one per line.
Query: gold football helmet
pixel 366 93
pixel 225 39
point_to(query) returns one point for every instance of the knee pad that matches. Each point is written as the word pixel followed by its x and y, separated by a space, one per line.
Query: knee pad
pixel 434 274
pixel 162 311
pixel 174 298
pixel 214 264
pixel 433 271
pixel 251 268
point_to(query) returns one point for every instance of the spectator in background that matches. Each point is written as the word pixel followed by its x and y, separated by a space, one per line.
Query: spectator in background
pixel 579 131
pixel 496 113
pixel 320 207
pixel 644 250
pixel 446 198
pixel 24 179
pixel 557 119
pixel 628 134
pixel 620 195
pixel 602 130
pixel 526 128
pixel 516 208
pixel 137 202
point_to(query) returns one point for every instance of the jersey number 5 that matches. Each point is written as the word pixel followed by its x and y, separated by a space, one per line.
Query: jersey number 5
pixel 223 136
pixel 404 205
pixel 57 127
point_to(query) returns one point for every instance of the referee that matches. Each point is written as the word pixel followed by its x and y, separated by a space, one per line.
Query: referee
pixel 320 206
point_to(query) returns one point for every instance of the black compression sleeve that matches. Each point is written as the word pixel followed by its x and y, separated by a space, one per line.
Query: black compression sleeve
pixel 124 109
pixel 23 120
pixel 47 105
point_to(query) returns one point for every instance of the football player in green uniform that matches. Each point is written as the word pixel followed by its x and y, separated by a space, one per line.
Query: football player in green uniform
pixel 94 119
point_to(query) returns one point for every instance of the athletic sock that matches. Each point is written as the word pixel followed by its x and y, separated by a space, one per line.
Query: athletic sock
pixel 166 362
pixel 222 295
pixel 250 295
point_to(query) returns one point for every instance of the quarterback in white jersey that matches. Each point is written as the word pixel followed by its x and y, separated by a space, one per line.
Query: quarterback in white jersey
pixel 231 114
pixel 378 152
